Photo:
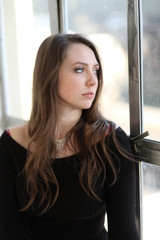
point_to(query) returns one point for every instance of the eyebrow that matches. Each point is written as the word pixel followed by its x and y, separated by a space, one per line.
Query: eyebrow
pixel 82 63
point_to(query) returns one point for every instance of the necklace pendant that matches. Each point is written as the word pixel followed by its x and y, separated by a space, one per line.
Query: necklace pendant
pixel 60 144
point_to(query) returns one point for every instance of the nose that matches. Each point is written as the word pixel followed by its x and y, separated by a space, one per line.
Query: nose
pixel 92 79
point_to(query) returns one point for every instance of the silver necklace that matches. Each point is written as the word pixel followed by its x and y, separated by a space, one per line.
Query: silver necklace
pixel 60 143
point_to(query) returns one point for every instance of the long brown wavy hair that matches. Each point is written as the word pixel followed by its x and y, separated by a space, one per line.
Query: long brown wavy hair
pixel 90 129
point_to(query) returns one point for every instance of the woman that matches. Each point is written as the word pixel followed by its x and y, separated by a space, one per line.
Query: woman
pixel 67 166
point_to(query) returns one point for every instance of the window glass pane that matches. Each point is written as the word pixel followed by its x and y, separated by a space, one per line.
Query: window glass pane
pixel 151 67
pixel 24 26
pixel 105 22
pixel 151 201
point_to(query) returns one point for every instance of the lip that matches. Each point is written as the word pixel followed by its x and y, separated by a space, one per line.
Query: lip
pixel 88 94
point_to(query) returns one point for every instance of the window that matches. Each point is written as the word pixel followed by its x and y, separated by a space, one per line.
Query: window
pixel 144 104
pixel 151 69
pixel 151 200
pixel 24 25
pixel 151 116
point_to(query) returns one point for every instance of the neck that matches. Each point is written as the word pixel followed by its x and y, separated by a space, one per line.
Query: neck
pixel 66 121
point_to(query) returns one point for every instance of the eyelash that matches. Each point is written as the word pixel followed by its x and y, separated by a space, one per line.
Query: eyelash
pixel 97 71
pixel 80 70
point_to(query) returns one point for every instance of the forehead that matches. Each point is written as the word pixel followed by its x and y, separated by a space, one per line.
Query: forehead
pixel 80 52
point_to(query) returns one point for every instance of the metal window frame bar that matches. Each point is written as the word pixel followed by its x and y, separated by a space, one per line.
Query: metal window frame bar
pixel 149 150
pixel 135 67
pixel 63 15
pixel 135 58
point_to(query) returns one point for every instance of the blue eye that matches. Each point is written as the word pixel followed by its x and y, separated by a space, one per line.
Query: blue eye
pixel 79 70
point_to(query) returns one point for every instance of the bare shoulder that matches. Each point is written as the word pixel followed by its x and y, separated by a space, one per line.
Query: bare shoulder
pixel 20 135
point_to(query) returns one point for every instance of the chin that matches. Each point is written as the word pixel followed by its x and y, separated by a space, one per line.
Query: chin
pixel 87 106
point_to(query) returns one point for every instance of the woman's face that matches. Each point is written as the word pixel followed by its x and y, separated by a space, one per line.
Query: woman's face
pixel 78 81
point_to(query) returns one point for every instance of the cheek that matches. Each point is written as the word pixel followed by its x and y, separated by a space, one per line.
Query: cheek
pixel 67 89
pixel 69 84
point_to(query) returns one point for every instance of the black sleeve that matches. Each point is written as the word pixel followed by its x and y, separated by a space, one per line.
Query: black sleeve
pixel 12 222
pixel 121 197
